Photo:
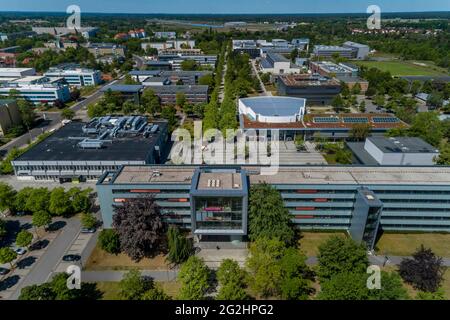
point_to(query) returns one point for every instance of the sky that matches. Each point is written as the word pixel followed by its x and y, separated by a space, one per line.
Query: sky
pixel 226 6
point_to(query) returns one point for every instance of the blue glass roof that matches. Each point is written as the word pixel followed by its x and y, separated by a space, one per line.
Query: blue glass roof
pixel 275 106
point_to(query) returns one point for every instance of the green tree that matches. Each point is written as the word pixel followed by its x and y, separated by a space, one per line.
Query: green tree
pixel 379 100
pixel 294 283
pixel 7 196
pixel 133 285
pixel 150 101
pixel 38 200
pixel 338 103
pixel 344 286
pixel 206 80
pixel 438 295
pixel 179 247
pixel 427 126
pixel 391 288
pixel 24 238
pixel 7 255
pixel 194 278
pixel 88 221
pixel 27 113
pixel 20 201
pixel 37 292
pixel 360 131
pixel 262 263
pixel 170 114
pixel 356 89
pixel 189 65
pixel 109 241
pixel 180 99
pixel 128 107
pixel 59 202
pixel 80 199
pixel 268 217
pixel 129 80
pixel 68 113
pixel 341 255
pixel 231 280
pixel 41 219
pixel 155 294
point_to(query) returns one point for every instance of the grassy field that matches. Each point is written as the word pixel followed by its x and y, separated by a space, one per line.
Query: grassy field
pixel 405 244
pixel 310 241
pixel 101 260
pixel 110 290
pixel 406 68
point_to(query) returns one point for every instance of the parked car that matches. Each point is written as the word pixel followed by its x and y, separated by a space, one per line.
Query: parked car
pixel 71 257
pixel 20 251
pixel 88 230
pixel 20 213
pixel 3 271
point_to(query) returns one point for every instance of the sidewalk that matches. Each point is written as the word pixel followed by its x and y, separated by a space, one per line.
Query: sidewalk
pixel 114 276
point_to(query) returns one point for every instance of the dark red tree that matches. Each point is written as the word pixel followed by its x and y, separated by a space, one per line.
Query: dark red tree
pixel 424 271
pixel 140 227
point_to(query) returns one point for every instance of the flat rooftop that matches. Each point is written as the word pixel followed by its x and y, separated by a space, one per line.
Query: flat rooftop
pixel 304 80
pixel 62 145
pixel 219 181
pixel 154 174
pixel 298 175
pixel 402 145
pixel 343 121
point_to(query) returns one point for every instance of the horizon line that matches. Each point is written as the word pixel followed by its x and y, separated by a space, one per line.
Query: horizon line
pixel 230 13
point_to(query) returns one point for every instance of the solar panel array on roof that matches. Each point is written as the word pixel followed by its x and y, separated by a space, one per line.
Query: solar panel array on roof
pixel 355 120
pixel 325 120
pixel 384 120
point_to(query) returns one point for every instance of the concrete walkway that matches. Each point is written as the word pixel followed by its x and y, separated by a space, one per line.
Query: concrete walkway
pixel 114 276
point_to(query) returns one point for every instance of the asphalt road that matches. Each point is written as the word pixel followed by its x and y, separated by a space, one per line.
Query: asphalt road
pixel 50 259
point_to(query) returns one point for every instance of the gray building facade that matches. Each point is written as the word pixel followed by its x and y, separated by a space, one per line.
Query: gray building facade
pixel 360 200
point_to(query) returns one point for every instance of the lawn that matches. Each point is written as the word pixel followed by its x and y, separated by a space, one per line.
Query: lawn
pixel 101 260
pixel 405 68
pixel 310 241
pixel 405 244
pixel 110 289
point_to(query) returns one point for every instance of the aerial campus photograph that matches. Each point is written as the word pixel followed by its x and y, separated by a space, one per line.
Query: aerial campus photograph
pixel 224 151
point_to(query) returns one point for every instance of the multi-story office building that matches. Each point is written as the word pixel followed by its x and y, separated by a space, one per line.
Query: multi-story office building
pixel 329 51
pixel 316 89
pixel 168 94
pixel 86 32
pixel 249 47
pixel 302 43
pixel 84 151
pixel 176 60
pixel 165 35
pixel 330 69
pixel 360 51
pixel 102 49
pixel 37 89
pixel 177 44
pixel 9 74
pixel 9 115
pixel 186 77
pixel 275 63
pixel 212 201
pixel 76 76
